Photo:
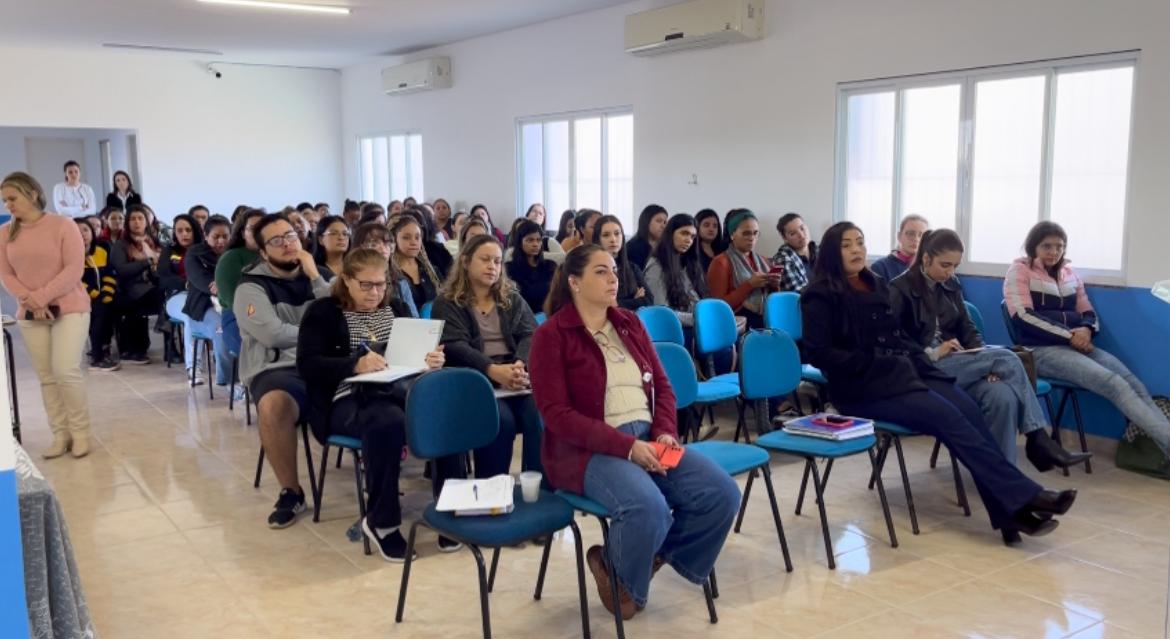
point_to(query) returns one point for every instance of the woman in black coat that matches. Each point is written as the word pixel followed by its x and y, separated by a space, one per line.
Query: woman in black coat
pixel 531 271
pixel 875 371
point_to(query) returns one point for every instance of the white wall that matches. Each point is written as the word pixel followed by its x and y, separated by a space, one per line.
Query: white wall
pixel 262 136
pixel 14 158
pixel 756 122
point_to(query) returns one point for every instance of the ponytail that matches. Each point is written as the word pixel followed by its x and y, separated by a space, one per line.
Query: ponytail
pixel 936 242
pixel 560 294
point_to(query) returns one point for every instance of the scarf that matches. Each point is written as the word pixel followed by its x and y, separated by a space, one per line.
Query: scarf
pixel 742 271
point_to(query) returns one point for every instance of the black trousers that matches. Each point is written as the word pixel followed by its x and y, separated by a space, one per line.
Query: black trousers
pixel 133 323
pixel 101 329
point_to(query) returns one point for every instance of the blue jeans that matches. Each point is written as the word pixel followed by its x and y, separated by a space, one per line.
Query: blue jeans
pixel 683 517
pixel 1105 375
pixel 209 326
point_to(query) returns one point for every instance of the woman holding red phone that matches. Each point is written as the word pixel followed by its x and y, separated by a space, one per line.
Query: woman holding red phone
pixel 740 276
pixel 599 439
pixel 42 258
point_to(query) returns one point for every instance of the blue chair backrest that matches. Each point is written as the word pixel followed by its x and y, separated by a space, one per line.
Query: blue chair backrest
pixel 662 324
pixel 539 317
pixel 976 318
pixel 680 370
pixel 425 312
pixel 769 365
pixel 714 326
pixel 1007 320
pixel 437 426
pixel 782 311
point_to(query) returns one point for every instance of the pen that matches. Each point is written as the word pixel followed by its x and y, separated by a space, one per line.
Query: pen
pixel 364 346
pixel 475 491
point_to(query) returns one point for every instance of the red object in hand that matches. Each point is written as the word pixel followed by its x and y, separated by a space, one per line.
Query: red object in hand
pixel 668 456
pixel 776 269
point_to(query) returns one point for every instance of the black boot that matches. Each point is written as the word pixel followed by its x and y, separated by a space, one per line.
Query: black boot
pixel 1045 453
pixel 1050 502
pixel 1030 524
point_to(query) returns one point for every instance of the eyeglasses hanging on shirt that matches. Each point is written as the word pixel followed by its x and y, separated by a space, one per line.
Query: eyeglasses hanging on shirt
pixel 613 353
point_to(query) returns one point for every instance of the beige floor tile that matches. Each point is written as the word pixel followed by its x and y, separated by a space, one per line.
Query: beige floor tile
pixel 122 527
pixel 980 608
pixel 892 576
pixel 1135 556
pixel 892 623
pixel 1109 631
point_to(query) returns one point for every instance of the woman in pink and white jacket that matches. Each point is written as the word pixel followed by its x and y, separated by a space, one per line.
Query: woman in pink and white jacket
pixel 1051 313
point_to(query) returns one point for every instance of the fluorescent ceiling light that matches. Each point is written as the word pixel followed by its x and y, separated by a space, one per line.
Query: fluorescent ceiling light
pixel 151 47
pixel 285 6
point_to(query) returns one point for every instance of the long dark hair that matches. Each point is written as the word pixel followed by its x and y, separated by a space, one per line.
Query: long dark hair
pixel 719 244
pixel 486 213
pixel 644 219
pixel 563 228
pixel 580 222
pixel 129 182
pixel 829 267
pixel 935 243
pixel 1036 237
pixel 239 226
pixel 675 264
pixel 560 294
pixel 323 225
pixel 626 278
pixel 522 229
pixel 196 233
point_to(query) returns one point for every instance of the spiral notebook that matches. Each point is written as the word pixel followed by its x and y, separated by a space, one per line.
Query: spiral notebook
pixel 406 350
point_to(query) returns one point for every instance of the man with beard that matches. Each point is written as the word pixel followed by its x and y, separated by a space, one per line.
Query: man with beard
pixel 269 302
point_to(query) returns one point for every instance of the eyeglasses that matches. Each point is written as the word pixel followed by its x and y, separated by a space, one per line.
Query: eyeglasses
pixel 612 352
pixel 371 286
pixel 281 240
pixel 337 233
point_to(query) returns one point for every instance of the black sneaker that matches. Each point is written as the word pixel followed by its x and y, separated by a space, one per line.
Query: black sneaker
pixel 287 507
pixel 392 547
pixel 136 358
pixel 105 364
pixel 447 544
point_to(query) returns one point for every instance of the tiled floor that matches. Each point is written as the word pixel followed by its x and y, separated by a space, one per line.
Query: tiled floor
pixel 171 541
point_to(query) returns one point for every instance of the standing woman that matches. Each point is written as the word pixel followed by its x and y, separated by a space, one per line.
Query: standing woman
pixel 604 397
pixel 481 211
pixel 711 240
pixel 739 276
pixel 172 279
pixel 874 371
pixel 651 222
pixel 412 262
pixel 123 196
pixel 529 268
pixel 200 263
pixel 487 326
pixel 41 262
pixel 102 288
pixel 332 242
pixel 632 293
pixel 135 258
pixel 443 219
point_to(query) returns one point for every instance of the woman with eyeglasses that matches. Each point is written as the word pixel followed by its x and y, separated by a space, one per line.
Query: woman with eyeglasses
pixel 343 335
pixel 632 292
pixel 376 237
pixel 605 398
pixel 488 327
pixel 740 276
pixel 332 243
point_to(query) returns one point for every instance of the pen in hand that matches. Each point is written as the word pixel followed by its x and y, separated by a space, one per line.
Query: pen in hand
pixel 475 491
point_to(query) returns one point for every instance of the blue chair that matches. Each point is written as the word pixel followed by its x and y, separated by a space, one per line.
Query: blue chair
pixel 425 311
pixel 893 433
pixel 715 331
pixel 1068 391
pixel 354 446
pixel 782 312
pixel 540 318
pixel 662 324
pixel 436 427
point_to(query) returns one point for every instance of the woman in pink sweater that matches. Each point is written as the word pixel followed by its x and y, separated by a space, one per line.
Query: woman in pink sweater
pixel 41 260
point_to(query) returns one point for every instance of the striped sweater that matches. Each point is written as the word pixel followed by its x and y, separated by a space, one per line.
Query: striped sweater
pixel 1044 310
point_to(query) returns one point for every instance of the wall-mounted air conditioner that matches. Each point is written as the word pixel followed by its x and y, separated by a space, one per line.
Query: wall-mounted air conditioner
pixel 420 75
pixel 694 24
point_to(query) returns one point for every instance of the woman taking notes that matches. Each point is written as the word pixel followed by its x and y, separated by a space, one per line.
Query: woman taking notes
pixel 604 397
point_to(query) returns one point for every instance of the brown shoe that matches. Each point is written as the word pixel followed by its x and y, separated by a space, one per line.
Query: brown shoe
pixel 596 558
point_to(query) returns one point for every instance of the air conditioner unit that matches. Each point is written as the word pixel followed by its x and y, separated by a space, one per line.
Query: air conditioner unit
pixel 420 75
pixel 693 25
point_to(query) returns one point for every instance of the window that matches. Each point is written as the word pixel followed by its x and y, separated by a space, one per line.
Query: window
pixel 391 167
pixel 991 152
pixel 576 161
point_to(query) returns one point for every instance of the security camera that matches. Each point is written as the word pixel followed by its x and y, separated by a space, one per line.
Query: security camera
pixel 212 71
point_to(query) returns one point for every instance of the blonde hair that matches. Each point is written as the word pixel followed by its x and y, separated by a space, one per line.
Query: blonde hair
pixel 458 286
pixel 355 261
pixel 28 186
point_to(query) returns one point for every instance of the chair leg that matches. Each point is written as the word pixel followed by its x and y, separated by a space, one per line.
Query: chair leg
pixel 259 468
pixel 1057 418
pixel 776 517
pixel 309 461
pixel 232 387
pixel 584 600
pixel 741 423
pixel 934 454
pixel 825 477
pixel 357 480
pixel 207 356
pixel 960 489
pixel 492 573
pixel 1076 405
pixel 747 492
pixel 885 504
pixel 320 490
pixel 882 451
pixel 406 571
pixel 339 452
pixel 613 583
pixel 484 589
pixel 816 477
pixel 543 569
pixel 707 588
pixel 906 485
pixel 808 462
pixel 714 584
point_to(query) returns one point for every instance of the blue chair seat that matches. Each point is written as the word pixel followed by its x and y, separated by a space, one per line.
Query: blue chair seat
pixel 783 442
pixel 810 373
pixel 583 503
pixel 734 459
pixel 711 392
pixel 896 429
pixel 726 378
pixel 527 521
pixel 1043 387
pixel 344 442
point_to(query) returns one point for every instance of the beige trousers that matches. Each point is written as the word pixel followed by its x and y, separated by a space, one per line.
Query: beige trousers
pixel 55 349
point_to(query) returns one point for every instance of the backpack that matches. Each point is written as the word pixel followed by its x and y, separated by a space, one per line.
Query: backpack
pixel 1138 453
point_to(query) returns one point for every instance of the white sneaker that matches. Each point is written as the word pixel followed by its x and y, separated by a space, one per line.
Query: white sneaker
pixel 196 381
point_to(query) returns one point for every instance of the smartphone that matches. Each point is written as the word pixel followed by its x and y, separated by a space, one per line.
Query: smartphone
pixel 776 269
pixel 833 421
pixel 668 456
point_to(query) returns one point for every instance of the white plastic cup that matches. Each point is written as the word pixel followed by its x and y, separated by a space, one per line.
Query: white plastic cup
pixel 530 485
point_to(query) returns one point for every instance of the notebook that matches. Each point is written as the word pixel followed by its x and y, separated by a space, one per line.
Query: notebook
pixel 808 427
pixel 475 497
pixel 406 350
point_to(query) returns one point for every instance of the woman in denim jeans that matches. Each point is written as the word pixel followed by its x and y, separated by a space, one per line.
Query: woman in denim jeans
pixel 597 437
pixel 1051 313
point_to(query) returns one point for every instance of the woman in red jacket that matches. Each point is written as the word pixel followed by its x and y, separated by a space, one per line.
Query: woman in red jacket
pixel 597 438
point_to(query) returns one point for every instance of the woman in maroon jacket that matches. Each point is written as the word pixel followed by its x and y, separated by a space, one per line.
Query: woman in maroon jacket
pixel 597 438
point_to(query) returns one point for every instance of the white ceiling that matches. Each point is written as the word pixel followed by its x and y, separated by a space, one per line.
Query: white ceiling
pixel 373 28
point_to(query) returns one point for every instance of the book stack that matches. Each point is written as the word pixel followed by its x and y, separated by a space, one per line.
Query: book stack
pixel 829 426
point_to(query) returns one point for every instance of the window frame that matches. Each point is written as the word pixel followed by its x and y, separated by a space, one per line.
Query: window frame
pixel 410 161
pixel 967 79
pixel 552 218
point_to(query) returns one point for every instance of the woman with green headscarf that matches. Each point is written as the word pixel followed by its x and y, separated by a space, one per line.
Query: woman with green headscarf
pixel 740 276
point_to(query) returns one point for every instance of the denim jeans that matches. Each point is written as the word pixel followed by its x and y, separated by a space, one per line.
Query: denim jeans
pixel 1105 375
pixel 209 326
pixel 1009 405
pixel 683 517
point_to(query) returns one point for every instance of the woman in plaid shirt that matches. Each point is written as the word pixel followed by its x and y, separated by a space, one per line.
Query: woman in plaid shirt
pixel 797 255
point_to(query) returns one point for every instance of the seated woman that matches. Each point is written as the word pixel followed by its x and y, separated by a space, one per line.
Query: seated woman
pixel 469 227
pixel 874 371
pixel 102 288
pixel 740 276
pixel 199 309
pixel 331 242
pixel 529 269
pixel 438 255
pixel 172 279
pixel 374 236
pixel 488 326
pixel 928 301
pixel 458 221
pixel 582 229
pixel 632 294
pixel 241 252
pixel 604 397
pixel 711 240
pixel 411 261
pixel 910 231
pixel 567 227
pixel 135 260
pixel 331 346
pixel 1052 314
pixel 114 225
pixel 674 272
pixel 480 211
pixel 444 220
pixel 797 255
pixel 651 222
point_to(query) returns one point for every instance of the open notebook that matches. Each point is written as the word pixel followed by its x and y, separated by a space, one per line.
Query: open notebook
pixel 406 351
pixel 471 497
